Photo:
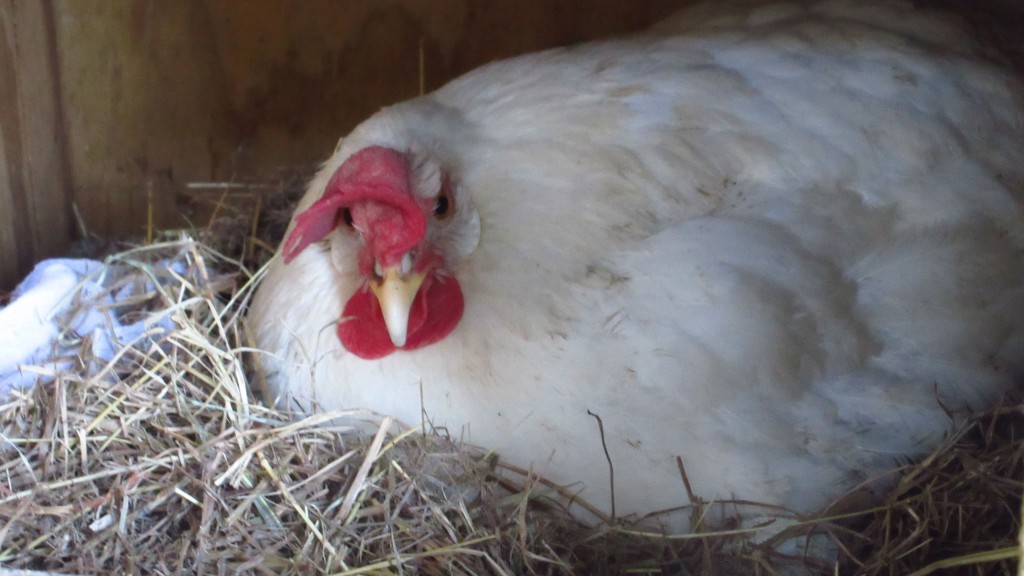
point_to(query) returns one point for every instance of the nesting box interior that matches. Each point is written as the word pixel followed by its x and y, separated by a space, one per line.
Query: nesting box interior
pixel 121 115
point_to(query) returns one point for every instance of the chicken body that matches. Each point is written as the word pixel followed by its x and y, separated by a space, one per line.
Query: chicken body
pixel 777 241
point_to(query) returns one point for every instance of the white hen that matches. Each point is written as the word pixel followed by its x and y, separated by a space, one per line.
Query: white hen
pixel 777 240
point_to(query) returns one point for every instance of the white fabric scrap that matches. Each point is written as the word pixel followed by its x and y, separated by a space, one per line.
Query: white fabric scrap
pixel 40 324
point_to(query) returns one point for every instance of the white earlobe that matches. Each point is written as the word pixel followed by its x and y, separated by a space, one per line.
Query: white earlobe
pixel 470 237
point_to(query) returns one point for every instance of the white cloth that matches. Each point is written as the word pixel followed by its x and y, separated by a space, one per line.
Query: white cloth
pixel 61 307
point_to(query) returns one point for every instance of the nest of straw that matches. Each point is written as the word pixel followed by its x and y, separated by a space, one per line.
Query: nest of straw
pixel 163 461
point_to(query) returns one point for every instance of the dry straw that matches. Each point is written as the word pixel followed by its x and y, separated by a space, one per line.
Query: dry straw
pixel 163 461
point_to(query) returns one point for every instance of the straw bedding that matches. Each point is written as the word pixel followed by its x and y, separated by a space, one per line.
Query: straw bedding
pixel 163 461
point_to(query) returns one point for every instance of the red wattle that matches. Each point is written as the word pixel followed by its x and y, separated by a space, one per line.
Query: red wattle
pixel 435 313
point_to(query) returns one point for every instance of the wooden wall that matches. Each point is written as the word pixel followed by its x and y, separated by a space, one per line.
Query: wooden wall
pixel 154 95
pixel 34 185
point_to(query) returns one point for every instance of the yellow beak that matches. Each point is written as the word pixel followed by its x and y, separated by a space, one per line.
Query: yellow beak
pixel 396 295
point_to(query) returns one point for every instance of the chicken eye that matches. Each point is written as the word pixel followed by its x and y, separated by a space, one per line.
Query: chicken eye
pixel 444 205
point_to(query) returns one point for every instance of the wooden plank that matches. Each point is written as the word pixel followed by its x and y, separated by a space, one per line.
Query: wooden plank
pixel 9 269
pixel 145 109
pixel 34 208
pixel 13 255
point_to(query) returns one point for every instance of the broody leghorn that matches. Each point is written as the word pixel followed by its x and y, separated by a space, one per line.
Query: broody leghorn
pixel 778 241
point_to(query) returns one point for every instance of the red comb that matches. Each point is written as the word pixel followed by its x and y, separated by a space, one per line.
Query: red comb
pixel 376 174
